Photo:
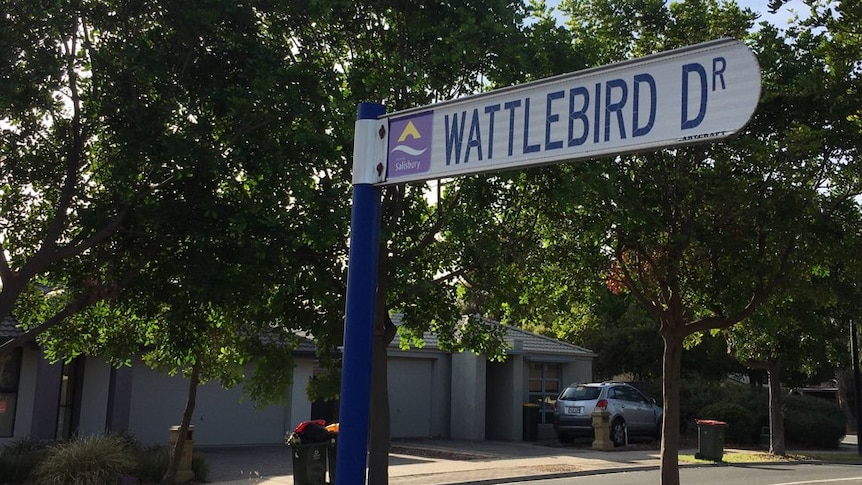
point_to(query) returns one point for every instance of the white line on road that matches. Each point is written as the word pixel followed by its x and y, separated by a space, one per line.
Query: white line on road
pixel 829 480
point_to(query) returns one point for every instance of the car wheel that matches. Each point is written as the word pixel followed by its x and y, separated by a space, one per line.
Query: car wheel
pixel 565 438
pixel 618 432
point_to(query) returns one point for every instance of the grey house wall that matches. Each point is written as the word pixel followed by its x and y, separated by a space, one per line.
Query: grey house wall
pixel 48 378
pixel 432 394
pixel 94 397
pixel 26 395
pixel 468 396
pixel 502 389
pixel 581 370
pixel 502 396
pixel 147 403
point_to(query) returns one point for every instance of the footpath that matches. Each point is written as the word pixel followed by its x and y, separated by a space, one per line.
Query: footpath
pixel 444 462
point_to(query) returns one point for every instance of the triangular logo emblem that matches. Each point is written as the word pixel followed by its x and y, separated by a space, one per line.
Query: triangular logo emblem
pixel 411 131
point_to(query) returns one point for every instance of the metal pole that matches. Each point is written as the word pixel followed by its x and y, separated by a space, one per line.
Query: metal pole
pixel 355 399
pixel 857 395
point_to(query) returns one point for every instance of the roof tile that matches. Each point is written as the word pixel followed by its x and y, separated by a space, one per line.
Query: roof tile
pixel 9 328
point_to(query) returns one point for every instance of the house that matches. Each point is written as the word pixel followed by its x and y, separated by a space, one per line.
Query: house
pixel 432 394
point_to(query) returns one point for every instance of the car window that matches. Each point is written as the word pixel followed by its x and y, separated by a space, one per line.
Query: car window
pixel 580 393
pixel 630 394
pixel 618 392
pixel 626 393
pixel 639 397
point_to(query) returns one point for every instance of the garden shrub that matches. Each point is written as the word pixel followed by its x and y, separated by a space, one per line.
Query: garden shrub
pixel 756 401
pixel 741 429
pixel 813 422
pixel 19 459
pixel 200 467
pixel 151 463
pixel 95 460
pixel 695 394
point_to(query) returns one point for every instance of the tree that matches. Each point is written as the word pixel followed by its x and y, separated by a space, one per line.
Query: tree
pixel 700 236
pixel 170 173
pixel 784 336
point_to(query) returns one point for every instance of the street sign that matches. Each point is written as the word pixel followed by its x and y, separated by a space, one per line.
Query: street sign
pixel 700 93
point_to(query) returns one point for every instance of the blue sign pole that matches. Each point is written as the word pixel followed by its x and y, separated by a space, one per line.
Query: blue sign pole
pixel 361 295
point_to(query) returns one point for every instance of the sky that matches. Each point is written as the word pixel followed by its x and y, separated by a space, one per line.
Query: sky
pixel 779 19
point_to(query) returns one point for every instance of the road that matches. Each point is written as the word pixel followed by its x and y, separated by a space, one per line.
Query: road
pixel 754 474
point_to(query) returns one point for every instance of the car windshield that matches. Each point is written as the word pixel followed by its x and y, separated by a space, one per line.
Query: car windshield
pixel 580 393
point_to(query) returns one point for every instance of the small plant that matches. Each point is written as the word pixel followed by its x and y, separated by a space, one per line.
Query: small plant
pixel 95 460
pixel 19 459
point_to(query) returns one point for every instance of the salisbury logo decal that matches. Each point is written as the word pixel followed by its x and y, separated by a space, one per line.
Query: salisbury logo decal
pixel 410 145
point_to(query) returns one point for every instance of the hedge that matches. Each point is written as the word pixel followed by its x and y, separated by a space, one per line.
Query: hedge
pixel 813 422
pixel 742 427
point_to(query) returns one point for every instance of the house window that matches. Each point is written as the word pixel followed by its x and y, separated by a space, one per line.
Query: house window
pixel 10 374
pixel 544 388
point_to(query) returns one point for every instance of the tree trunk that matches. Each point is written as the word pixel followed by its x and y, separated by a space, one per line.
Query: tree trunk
pixel 843 381
pixel 776 415
pixel 379 425
pixel 379 421
pixel 176 453
pixel 672 365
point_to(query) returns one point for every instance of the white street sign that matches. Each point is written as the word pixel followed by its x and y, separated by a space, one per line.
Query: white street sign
pixel 700 93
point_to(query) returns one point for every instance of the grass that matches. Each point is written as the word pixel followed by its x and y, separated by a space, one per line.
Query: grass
pixel 752 456
pixel 734 457
pixel 833 457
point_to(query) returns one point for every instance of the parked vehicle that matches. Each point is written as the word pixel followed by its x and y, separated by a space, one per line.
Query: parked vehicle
pixel 631 412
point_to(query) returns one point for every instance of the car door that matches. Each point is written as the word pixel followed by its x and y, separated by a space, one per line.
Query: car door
pixel 637 410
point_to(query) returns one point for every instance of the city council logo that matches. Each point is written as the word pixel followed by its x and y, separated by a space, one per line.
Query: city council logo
pixel 410 145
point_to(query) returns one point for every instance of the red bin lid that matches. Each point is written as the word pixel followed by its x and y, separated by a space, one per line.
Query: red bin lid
pixel 711 422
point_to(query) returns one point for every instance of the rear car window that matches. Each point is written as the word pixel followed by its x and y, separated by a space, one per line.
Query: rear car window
pixel 580 393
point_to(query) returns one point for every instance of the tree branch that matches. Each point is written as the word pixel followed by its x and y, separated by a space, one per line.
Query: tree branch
pixel 96 294
pixel 760 293
pixel 73 156
pixel 650 305
pixel 70 309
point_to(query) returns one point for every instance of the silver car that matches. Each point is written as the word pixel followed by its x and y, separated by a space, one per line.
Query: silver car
pixel 631 412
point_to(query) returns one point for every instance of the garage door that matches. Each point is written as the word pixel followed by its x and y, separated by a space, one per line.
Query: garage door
pixel 410 397
pixel 221 417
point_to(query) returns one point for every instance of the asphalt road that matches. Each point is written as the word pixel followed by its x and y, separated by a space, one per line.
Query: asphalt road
pixel 766 474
